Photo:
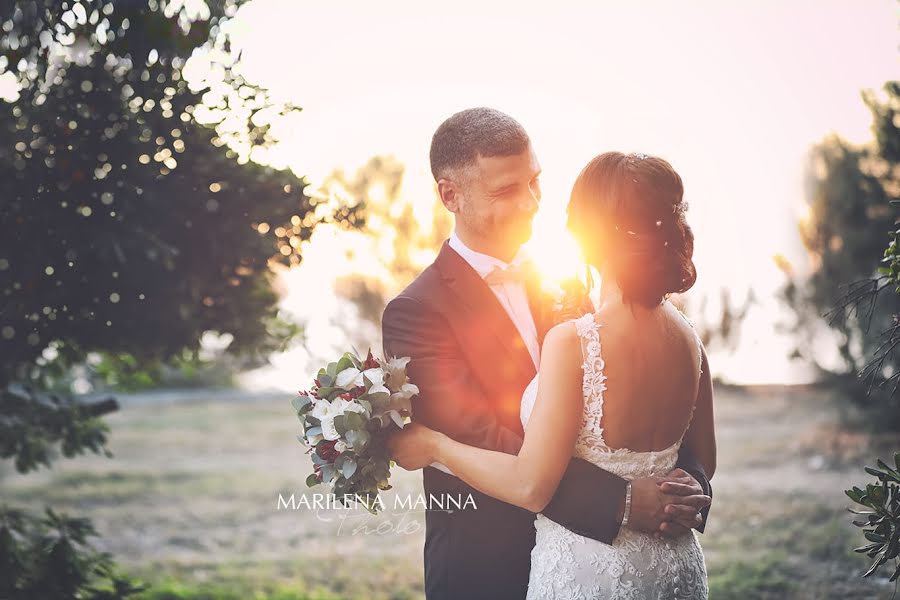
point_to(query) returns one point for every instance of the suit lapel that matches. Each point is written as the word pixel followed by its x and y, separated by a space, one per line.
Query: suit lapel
pixel 484 310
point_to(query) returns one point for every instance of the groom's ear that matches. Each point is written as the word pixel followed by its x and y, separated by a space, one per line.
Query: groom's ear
pixel 449 194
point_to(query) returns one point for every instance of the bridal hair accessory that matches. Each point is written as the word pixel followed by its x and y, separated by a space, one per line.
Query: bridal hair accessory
pixel 638 155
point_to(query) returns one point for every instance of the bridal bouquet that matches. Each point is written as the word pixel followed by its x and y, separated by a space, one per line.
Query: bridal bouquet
pixel 346 418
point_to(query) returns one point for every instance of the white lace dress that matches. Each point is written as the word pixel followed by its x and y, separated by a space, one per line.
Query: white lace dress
pixel 568 566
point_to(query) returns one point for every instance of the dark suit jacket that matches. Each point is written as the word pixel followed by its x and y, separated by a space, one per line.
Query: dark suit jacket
pixel 471 367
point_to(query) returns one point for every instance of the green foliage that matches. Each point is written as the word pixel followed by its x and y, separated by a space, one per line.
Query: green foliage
pixel 849 223
pixel 132 222
pixel 51 558
pixel 34 423
pixel 891 261
pixel 128 226
pixel 765 579
pixel 232 591
pixel 881 523
pixel 844 235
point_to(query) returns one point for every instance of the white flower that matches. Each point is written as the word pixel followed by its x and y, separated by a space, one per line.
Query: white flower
pixel 378 388
pixel 401 399
pixel 340 446
pixel 352 377
pixel 350 406
pixel 395 372
pixel 326 411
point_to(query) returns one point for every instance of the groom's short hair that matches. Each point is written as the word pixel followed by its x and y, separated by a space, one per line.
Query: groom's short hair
pixel 471 133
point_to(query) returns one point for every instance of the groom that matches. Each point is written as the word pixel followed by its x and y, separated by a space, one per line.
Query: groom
pixel 473 323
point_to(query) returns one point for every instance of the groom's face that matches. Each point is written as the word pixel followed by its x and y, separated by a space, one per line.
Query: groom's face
pixel 499 197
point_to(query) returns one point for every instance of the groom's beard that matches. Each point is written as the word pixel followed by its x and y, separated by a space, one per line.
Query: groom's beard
pixel 512 229
pixel 508 234
pixel 519 230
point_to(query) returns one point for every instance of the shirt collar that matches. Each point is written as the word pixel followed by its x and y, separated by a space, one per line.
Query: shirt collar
pixel 483 263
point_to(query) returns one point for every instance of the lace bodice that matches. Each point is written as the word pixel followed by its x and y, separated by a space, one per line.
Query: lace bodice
pixel 637 565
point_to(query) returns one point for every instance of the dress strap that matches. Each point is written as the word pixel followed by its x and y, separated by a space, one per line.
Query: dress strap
pixel 594 380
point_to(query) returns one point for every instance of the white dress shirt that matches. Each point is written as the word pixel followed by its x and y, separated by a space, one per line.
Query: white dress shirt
pixel 511 294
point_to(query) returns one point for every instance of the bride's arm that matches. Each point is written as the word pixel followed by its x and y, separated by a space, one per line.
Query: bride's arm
pixel 530 478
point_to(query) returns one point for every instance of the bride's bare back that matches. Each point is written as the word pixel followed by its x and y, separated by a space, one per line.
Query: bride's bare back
pixel 653 369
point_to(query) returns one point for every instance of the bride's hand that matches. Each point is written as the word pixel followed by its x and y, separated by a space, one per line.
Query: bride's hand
pixel 414 447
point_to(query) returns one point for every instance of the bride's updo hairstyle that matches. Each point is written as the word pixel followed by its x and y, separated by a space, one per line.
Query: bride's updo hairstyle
pixel 627 213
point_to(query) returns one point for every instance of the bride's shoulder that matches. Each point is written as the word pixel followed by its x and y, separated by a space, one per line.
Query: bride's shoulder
pixel 562 341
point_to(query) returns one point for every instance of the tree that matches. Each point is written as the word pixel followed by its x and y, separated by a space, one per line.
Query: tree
pixel 399 243
pixel 129 227
pixel 845 234
pixel 723 329
pixel 125 225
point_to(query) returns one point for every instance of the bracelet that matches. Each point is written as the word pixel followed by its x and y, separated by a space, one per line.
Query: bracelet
pixel 627 504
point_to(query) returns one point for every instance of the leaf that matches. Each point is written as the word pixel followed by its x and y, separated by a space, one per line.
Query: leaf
pixel 348 468
pixel 300 402
pixel 358 438
pixel 329 392
pixel 855 494
pixel 873 537
pixel 340 424
pixel 353 420
pixel 379 400
pixel 345 362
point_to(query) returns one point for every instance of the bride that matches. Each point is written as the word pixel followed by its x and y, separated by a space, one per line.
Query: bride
pixel 623 387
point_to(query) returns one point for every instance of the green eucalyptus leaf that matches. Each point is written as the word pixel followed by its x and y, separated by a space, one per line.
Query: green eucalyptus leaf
pixel 354 420
pixel 340 424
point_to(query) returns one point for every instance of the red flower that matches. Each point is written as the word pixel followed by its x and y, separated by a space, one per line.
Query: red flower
pixel 370 363
pixel 326 450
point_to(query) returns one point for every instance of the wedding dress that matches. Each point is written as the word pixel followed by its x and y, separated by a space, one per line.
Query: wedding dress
pixel 636 566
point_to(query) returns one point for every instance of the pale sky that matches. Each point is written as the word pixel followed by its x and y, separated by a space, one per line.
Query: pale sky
pixel 732 94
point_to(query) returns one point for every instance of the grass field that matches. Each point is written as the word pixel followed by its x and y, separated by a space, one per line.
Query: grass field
pixel 189 503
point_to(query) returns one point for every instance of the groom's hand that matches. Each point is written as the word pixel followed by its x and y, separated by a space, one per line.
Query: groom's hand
pixel 682 513
pixel 658 504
